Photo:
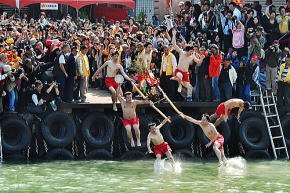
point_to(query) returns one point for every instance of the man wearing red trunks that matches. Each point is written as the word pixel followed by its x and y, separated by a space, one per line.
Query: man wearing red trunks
pixel 130 119
pixel 112 69
pixel 216 139
pixel 160 146
pixel 224 110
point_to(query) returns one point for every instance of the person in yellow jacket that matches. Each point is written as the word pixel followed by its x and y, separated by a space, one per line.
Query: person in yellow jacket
pixel 83 72
pixel 167 69
pixel 283 79
pixel 283 21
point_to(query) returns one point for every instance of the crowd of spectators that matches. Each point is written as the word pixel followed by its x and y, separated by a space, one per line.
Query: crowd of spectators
pixel 44 62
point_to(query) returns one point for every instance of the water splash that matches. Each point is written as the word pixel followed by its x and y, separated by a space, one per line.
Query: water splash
pixel 165 166
pixel 235 167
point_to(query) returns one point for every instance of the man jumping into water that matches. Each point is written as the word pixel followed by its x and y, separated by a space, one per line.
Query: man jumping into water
pixel 112 69
pixel 185 59
pixel 216 139
pixel 160 146
pixel 224 110
pixel 130 120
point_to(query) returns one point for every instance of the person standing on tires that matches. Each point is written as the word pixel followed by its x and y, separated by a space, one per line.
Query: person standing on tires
pixel 216 139
pixel 130 119
pixel 113 67
pixel 224 110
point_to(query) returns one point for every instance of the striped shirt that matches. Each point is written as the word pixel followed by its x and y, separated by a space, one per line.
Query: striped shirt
pixel 283 76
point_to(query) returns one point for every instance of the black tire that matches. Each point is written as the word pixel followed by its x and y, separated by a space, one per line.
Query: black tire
pixel 16 135
pixel 257 154
pixel 183 154
pixel 59 154
pixel 253 134
pixel 250 113
pixel 4 116
pixel 223 129
pixel 58 129
pixel 100 154
pixel 15 157
pixel 144 130
pixel 133 155
pixel 179 133
pixel 285 123
pixel 98 130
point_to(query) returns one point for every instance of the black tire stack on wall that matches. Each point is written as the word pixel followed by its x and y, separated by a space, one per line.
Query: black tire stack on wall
pixel 97 131
pixel 16 137
pixel 285 123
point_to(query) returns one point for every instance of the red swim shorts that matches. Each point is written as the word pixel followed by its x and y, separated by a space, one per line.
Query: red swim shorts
pixel 134 121
pixel 220 140
pixel 162 148
pixel 110 82
pixel 221 110
pixel 185 75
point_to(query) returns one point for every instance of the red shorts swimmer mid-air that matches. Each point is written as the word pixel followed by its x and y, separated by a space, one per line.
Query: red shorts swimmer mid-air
pixel 161 149
pixel 221 110
pixel 110 82
pixel 134 121
pixel 185 75
pixel 220 140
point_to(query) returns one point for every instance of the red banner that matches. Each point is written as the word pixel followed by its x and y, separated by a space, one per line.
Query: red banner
pixel 111 13
pixel 11 3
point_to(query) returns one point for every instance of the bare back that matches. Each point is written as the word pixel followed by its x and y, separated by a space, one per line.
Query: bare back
pixel 112 69
pixel 209 130
pixel 233 103
pixel 129 110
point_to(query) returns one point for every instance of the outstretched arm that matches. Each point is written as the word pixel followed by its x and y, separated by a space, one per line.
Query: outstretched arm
pixel 124 74
pixel 99 71
pixel 148 143
pixel 119 91
pixel 141 102
pixel 190 119
pixel 163 123
pixel 239 112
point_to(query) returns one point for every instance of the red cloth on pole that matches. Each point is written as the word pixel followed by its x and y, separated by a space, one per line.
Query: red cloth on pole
pixel 111 13
pixel 11 3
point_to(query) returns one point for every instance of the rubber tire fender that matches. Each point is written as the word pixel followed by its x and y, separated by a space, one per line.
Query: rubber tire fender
pixel 285 123
pixel 99 154
pixel 258 128
pixel 133 155
pixel 59 154
pixel 257 154
pixel 100 137
pixel 21 137
pixel 250 113
pixel 179 133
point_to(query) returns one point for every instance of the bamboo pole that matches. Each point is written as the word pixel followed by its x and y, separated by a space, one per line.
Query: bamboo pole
pixel 170 102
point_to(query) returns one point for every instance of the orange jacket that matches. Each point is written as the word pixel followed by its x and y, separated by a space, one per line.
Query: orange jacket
pixel 215 65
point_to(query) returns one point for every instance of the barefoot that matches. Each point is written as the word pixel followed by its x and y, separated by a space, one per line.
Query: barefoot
pixel 115 107
pixel 132 143
pixel 179 89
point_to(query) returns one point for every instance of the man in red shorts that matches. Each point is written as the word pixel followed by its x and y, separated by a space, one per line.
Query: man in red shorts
pixel 130 120
pixel 216 139
pixel 160 146
pixel 112 69
pixel 186 58
pixel 224 110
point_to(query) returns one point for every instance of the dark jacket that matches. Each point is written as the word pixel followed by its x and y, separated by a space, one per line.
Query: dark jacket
pixel 70 66
pixel 203 69
pixel 244 75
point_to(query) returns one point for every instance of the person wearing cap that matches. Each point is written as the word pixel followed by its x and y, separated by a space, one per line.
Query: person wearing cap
pixel 244 78
pixel 283 80
pixel 272 62
pixel 226 80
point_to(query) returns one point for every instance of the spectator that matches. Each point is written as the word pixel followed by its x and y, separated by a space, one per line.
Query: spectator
pixel 283 21
pixel 214 70
pixel 283 79
pixel 238 38
pixel 244 77
pixel 236 12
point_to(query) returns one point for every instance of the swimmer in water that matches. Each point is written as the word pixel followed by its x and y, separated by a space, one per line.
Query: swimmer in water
pixel 216 139
pixel 160 146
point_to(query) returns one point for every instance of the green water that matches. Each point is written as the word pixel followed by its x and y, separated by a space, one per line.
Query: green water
pixel 139 176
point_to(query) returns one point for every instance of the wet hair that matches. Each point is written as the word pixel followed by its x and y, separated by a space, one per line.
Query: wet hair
pixel 127 93
pixel 207 117
pixel 246 105
pixel 151 124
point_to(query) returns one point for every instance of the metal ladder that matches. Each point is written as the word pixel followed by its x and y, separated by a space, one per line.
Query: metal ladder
pixel 268 104
pixel 1 152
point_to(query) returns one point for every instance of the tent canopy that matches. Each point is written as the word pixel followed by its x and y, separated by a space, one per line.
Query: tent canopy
pixel 74 3
pixel 11 3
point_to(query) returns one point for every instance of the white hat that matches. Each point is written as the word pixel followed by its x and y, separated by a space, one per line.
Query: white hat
pixel 6 68
pixel 180 3
pixel 33 41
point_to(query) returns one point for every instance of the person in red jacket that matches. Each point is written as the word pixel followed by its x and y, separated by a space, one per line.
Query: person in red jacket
pixel 214 70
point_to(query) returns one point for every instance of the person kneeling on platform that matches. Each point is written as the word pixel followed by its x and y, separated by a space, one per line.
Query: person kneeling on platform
pixel 130 120
pixel 160 146
pixel 216 139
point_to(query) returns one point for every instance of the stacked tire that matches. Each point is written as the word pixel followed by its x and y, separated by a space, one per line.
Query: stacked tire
pixel 253 135
pixel 97 131
pixel 285 123
pixel 58 130
pixel 16 137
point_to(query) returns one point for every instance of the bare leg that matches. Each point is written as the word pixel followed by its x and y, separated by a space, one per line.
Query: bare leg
pixel 137 133
pixel 189 89
pixel 129 133
pixel 213 116
pixel 216 146
pixel 158 160
pixel 179 80
pixel 114 98
pixel 223 156
pixel 170 157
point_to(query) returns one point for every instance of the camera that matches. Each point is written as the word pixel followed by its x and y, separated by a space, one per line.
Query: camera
pixel 17 72
pixel 272 48
pixel 234 18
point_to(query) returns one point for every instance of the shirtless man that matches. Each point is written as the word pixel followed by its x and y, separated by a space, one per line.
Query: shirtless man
pixel 216 139
pixel 185 59
pixel 112 69
pixel 130 120
pixel 160 146
pixel 224 110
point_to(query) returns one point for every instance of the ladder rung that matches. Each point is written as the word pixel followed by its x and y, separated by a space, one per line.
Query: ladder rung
pixel 270 127
pixel 280 148
pixel 271 104
pixel 278 137
pixel 273 115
